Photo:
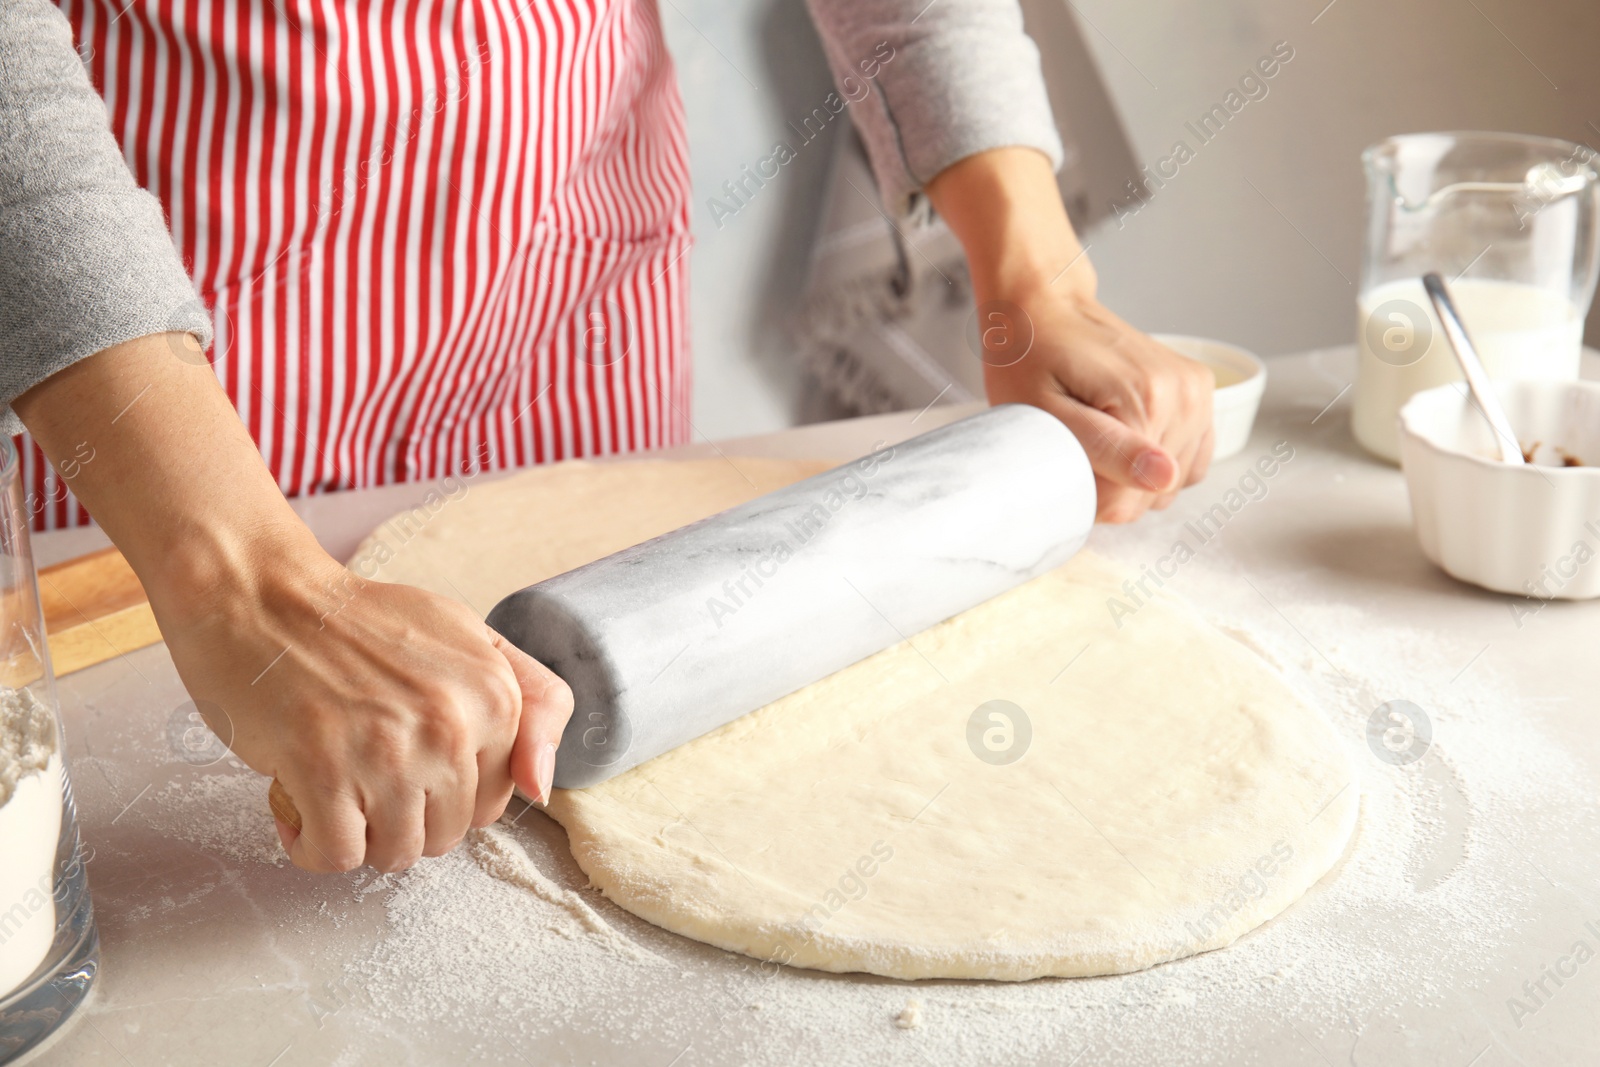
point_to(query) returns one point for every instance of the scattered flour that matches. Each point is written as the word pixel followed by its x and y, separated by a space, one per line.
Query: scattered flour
pixel 500 856
pixel 503 942
pixel 225 813
pixel 1422 906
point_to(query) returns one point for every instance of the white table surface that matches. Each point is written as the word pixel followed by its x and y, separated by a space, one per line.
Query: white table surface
pixel 225 974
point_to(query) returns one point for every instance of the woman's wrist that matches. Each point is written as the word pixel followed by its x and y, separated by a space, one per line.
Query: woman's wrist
pixel 223 568
pixel 1005 209
pixel 173 476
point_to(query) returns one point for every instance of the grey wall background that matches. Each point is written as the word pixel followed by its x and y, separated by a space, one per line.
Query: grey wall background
pixel 1256 240
pixel 746 70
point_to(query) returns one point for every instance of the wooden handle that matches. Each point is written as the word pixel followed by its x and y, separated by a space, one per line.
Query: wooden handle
pixel 282 806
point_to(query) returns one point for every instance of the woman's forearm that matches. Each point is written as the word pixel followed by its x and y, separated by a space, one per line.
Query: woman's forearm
pixel 394 718
pixel 172 476
pixel 1005 209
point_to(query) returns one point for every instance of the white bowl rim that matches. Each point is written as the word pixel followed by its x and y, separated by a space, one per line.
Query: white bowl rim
pixel 1251 365
pixel 1428 396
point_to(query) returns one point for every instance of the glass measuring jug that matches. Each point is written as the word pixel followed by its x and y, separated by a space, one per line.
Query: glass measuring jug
pixel 49 951
pixel 1510 222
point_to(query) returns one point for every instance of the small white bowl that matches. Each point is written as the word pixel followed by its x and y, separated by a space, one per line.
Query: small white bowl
pixel 1530 530
pixel 1241 378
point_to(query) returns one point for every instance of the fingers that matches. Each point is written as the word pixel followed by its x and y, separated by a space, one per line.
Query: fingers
pixel 1196 461
pixel 1202 458
pixel 447 815
pixel 332 834
pixel 1118 504
pixel 494 784
pixel 396 829
pixel 1147 433
pixel 494 788
pixel 1126 464
pixel 546 707
pixel 1188 432
pixel 1117 452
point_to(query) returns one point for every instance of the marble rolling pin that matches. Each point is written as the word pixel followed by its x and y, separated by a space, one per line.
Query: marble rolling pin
pixel 674 637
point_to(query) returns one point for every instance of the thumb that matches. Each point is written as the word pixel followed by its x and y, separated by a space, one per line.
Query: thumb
pixel 546 707
pixel 1117 451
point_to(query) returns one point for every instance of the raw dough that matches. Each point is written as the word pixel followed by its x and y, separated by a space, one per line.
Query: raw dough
pixel 1171 794
pixel 478 539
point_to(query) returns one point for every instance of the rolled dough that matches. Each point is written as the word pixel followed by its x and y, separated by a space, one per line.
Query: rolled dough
pixel 1024 790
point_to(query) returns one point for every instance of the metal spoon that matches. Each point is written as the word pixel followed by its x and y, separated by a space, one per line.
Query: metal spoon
pixel 1471 366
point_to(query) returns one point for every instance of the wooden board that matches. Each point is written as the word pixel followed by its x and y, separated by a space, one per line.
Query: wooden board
pixel 94 610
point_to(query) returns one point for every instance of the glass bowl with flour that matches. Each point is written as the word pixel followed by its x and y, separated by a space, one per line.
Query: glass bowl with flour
pixel 49 951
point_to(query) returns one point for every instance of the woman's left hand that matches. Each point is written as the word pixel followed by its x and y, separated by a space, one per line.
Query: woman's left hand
pixel 1141 411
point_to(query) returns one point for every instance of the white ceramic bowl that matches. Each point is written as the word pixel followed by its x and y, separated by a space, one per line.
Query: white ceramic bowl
pixel 1530 530
pixel 1241 377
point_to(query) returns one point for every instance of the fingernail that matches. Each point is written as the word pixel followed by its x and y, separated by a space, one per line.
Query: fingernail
pixel 1152 468
pixel 544 769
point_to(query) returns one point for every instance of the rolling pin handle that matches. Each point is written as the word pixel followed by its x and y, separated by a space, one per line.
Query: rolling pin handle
pixel 282 805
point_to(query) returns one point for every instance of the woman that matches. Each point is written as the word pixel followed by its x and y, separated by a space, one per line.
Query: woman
pixel 435 238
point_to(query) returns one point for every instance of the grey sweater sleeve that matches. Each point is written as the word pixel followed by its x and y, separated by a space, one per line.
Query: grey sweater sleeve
pixel 933 83
pixel 86 261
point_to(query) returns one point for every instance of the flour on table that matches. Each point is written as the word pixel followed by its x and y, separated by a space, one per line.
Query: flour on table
pixel 222 812
pixel 500 856
pixel 1423 904
pixel 1420 906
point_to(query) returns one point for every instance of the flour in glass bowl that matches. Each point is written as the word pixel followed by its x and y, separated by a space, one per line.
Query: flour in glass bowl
pixel 1422 906
pixel 30 829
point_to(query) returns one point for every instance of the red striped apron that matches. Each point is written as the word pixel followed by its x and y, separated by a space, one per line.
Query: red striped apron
pixel 434 235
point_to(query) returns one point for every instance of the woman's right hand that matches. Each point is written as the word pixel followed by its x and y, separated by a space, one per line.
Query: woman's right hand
pixel 395 719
